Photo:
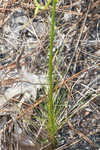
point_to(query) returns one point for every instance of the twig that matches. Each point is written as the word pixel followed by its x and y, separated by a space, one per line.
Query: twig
pixel 18 60
pixel 82 135
pixel 76 47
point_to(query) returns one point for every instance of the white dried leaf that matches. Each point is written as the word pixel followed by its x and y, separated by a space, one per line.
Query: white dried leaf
pixel 30 84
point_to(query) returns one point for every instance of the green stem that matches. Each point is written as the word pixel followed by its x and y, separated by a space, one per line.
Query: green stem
pixel 51 120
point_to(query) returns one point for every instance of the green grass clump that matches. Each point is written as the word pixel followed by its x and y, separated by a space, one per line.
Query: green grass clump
pixel 51 122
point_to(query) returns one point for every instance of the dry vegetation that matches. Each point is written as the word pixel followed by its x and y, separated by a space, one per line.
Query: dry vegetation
pixel 24 50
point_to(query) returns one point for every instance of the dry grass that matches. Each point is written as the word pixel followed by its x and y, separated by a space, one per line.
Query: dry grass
pixel 76 67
